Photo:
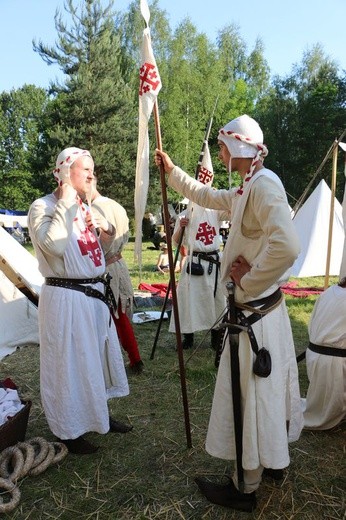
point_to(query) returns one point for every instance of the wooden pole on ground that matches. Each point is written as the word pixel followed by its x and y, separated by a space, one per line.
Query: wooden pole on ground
pixel 175 310
pixel 331 214
pixel 199 164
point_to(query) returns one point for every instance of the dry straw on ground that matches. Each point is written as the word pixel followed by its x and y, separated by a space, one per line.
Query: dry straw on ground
pixel 149 473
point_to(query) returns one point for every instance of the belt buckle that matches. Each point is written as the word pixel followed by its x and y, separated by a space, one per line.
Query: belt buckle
pixel 88 290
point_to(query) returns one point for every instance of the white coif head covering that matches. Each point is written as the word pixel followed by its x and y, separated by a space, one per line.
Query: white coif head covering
pixel 243 137
pixel 65 160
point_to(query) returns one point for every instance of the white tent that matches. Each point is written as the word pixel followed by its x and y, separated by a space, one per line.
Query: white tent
pixel 312 224
pixel 20 266
pixel 343 261
pixel 20 285
pixel 11 221
pixel 18 318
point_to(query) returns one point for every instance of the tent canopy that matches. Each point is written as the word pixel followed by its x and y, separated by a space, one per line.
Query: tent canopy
pixel 312 225
pixel 20 285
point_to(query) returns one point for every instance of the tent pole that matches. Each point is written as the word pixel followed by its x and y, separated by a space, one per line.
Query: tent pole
pixel 331 215
pixel 302 198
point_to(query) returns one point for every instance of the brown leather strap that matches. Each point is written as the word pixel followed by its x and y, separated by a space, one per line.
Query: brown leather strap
pixel 114 258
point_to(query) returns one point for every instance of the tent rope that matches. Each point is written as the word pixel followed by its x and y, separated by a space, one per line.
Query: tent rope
pixel 302 198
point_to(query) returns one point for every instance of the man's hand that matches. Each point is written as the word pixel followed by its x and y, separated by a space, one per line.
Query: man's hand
pixel 240 266
pixel 97 221
pixel 164 159
pixel 67 192
pixel 183 221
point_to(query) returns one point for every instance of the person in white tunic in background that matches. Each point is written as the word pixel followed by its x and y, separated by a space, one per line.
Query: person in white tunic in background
pixel 260 249
pixel 120 282
pixel 325 403
pixel 81 364
pixel 201 301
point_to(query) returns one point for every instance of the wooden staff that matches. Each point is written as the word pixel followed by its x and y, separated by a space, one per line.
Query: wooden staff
pixel 199 164
pixel 166 218
pixel 331 214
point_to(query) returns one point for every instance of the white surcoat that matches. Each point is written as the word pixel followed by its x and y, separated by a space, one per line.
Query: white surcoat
pixel 121 282
pixel 75 330
pixel 325 404
pixel 199 308
pixel 262 231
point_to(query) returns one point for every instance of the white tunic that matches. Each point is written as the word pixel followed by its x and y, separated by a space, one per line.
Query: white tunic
pixel 261 231
pixel 75 330
pixel 325 404
pixel 198 308
pixel 121 281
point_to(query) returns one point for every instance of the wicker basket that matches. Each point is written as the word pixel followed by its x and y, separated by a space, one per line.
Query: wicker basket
pixel 14 429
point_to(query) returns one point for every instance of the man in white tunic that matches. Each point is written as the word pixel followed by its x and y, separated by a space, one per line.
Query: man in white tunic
pixel 120 282
pixel 261 247
pixel 200 296
pixel 325 403
pixel 81 364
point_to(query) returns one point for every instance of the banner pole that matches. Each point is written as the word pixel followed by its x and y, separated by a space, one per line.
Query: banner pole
pixel 172 280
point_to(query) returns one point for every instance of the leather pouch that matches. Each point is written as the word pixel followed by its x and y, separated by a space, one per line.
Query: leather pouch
pixel 263 363
pixel 196 268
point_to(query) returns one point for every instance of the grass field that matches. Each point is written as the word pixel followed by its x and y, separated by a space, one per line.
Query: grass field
pixel 149 473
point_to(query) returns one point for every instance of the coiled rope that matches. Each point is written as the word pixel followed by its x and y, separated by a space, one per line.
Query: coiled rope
pixel 29 458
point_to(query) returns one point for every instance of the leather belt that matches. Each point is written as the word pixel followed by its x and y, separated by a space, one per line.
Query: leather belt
pixel 265 305
pixel 78 284
pixel 209 257
pixel 327 351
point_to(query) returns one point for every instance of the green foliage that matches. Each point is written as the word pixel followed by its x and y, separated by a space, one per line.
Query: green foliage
pixel 17 190
pixel 301 116
pixel 96 107
pixel 21 124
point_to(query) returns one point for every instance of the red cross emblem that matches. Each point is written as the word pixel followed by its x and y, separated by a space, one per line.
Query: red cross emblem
pixel 206 233
pixel 204 175
pixel 89 246
pixel 149 78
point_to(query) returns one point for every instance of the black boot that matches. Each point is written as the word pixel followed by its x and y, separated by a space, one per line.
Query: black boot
pixel 275 474
pixel 216 338
pixel 227 495
pixel 137 368
pixel 188 341
pixel 119 427
pixel 79 446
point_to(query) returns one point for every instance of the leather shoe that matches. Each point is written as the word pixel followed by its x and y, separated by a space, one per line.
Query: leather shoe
pixel 119 427
pixel 188 341
pixel 227 495
pixel 79 446
pixel 275 474
pixel 137 368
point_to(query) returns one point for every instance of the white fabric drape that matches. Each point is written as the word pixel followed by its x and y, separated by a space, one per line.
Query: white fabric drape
pixel 149 87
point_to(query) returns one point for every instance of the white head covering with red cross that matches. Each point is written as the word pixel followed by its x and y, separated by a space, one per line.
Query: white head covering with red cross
pixel 244 139
pixel 65 160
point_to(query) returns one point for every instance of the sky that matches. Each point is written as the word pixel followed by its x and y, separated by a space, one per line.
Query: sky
pixel 287 29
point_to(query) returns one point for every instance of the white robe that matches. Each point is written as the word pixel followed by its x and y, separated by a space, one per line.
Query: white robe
pixel 262 231
pixel 75 329
pixel 325 404
pixel 198 308
pixel 121 281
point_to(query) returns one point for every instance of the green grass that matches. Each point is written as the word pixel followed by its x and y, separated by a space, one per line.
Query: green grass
pixel 148 473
